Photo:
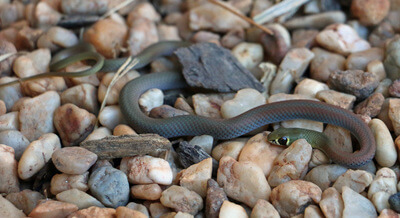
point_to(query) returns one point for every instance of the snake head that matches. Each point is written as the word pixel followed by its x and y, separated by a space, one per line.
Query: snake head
pixel 286 136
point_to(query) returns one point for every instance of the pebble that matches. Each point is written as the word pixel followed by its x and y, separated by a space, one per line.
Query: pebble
pixel 98 133
pixel 63 182
pixel 32 63
pixel 16 140
pixel 25 200
pixel 232 38
pixel 182 199
pixel 45 15
pixel 356 205
pixel 356 82
pixel 291 68
pixel 151 99
pixel 277 45
pixel 310 87
pixel 110 186
pixel 165 111
pixel 392 59
pixel 52 208
pixel 264 209
pixel 57 37
pixel 370 12
pixel 331 203
pixel 84 7
pixel 244 176
pixel 204 141
pixel 79 198
pixel 9 180
pixel 371 106
pixel 138 207
pixel 382 187
pixel 208 16
pixel 111 116
pixel 230 148
pixel 316 21
pixel 360 60
pixel 229 209
pixel 73 124
pixel 244 100
pixel 94 212
pixel 248 54
pixel 376 67
pixel 143 10
pixel 83 96
pixel 394 201
pixel 380 34
pixel 386 154
pixel 157 209
pixel 386 213
pixel 6 65
pixel 196 176
pixel 340 136
pixel 141 34
pixel 123 129
pixel 127 212
pixel 291 164
pixel 37 154
pixel 313 211
pixel 383 87
pixel 182 104
pixel 146 170
pixel 10 94
pixel 342 39
pixel 73 160
pixel 168 33
pixel 394 88
pixel 304 38
pixel 206 36
pixel 357 180
pixel 214 198
pixel 36 115
pixel 208 105
pixel 299 193
pixel 7 209
pixel 325 175
pixel 3 109
pixel 260 152
pixel 150 192
pixel 336 98
pixel 113 95
pixel 9 121
pixel 107 36
pixel 394 114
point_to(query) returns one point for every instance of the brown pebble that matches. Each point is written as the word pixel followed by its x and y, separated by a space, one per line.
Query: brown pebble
pixel 123 129
pixel 370 12
pixel 215 197
pixel 304 38
pixel 394 89
pixel 94 212
pixel 146 192
pixel 51 208
pixel 277 45
pixel 356 82
pixel 370 106
pixel 3 108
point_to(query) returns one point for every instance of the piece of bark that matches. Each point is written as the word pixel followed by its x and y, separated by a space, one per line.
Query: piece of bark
pixel 192 154
pixel 210 66
pixel 128 145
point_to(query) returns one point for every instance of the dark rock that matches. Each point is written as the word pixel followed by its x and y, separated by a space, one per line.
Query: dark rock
pixel 165 111
pixel 110 186
pixel 207 65
pixel 192 154
pixel 394 202
pixel 214 199
pixel 356 82
pixel 394 89
pixel 370 106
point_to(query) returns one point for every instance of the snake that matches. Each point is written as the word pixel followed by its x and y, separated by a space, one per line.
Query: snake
pixel 192 125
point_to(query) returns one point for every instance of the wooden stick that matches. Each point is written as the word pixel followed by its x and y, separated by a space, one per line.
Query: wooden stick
pixel 265 29
pixel 277 10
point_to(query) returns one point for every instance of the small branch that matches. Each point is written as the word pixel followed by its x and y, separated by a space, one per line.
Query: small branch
pixel 277 10
pixel 265 29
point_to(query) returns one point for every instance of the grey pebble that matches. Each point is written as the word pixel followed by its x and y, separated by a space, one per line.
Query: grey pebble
pixel 394 202
pixel 110 186
pixel 16 140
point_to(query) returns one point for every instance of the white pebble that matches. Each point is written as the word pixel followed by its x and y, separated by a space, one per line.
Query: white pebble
pixel 111 116
pixel 356 205
pixel 386 154
pixel 243 101
pixel 204 141
pixel 151 99
pixel 248 54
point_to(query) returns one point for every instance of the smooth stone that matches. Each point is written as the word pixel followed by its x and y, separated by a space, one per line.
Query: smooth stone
pixel 73 160
pixel 356 205
pixel 16 140
pixel 79 198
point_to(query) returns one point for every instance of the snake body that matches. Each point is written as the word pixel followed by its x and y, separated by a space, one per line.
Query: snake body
pixel 190 125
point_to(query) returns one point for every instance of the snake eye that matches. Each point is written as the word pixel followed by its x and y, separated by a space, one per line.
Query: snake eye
pixel 283 140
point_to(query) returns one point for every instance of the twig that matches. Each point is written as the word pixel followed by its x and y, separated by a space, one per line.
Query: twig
pixel 265 29
pixel 277 10
pixel 116 8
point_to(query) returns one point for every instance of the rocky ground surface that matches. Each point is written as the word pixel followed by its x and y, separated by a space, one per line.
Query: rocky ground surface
pixel 344 53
